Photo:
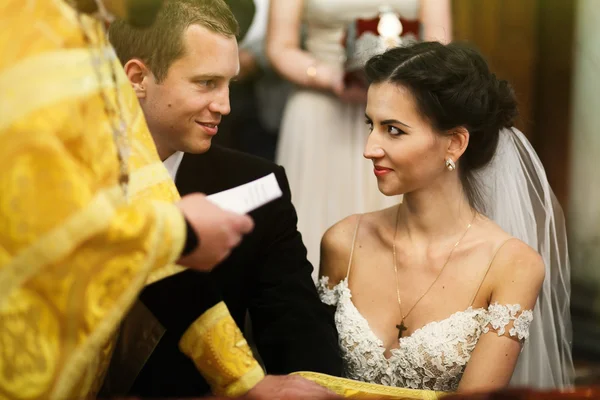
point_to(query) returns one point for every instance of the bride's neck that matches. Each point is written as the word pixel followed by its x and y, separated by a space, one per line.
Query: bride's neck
pixel 439 210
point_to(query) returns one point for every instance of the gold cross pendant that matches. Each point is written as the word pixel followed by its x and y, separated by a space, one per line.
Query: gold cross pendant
pixel 401 328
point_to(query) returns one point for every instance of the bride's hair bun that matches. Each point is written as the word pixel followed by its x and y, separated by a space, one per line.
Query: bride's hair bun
pixel 506 108
pixel 498 110
pixel 453 87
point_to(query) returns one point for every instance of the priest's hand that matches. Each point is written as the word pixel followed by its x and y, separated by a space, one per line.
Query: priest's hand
pixel 217 231
pixel 289 388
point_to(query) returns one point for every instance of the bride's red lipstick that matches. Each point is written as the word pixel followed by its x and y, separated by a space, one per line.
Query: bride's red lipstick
pixel 381 171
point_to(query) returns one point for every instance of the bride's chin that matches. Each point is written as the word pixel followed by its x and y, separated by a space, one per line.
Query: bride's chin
pixel 389 191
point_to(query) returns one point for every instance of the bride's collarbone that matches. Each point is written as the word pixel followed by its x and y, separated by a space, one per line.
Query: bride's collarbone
pixel 418 266
pixel 374 290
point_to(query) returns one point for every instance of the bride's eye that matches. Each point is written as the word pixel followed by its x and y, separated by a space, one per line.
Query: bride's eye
pixel 392 130
pixel 369 124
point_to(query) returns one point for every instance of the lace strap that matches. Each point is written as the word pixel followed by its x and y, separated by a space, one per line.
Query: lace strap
pixel 353 244
pixel 508 320
pixel 488 269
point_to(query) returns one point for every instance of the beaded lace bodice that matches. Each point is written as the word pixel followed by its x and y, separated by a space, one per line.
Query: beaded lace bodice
pixel 433 357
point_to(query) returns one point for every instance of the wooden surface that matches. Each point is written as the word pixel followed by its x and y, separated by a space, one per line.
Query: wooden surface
pixel 530 44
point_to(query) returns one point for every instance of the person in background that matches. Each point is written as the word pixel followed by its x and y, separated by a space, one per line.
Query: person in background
pixel 323 132
pixel 259 94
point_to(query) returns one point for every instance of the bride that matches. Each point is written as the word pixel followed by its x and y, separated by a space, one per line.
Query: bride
pixel 465 284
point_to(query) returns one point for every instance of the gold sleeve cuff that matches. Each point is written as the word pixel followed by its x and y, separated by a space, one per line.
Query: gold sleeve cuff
pixel 218 348
pixel 361 390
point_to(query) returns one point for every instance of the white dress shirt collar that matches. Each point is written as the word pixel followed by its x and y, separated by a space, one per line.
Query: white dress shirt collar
pixel 172 163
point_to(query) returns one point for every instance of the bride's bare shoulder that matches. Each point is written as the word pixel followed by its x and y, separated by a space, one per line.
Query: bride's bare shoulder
pixel 336 245
pixel 507 246
pixel 513 258
pixel 340 236
pixel 516 258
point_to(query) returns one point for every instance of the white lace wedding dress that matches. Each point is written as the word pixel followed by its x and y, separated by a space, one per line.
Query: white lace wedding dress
pixel 434 357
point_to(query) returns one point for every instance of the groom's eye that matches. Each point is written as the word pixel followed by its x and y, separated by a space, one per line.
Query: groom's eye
pixel 369 124
pixel 206 83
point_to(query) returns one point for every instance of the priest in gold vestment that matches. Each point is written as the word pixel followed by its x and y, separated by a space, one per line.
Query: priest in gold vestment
pixel 86 207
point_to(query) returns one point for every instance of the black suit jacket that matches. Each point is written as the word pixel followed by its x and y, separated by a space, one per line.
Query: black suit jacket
pixel 267 275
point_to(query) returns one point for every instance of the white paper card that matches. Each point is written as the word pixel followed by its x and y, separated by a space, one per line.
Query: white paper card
pixel 249 196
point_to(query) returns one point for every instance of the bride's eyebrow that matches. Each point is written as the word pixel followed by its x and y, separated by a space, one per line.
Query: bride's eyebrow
pixel 389 121
pixel 394 121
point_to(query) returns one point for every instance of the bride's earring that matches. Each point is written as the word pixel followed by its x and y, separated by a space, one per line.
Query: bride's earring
pixel 450 164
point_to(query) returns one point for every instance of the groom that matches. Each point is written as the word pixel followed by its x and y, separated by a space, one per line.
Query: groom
pixel 180 69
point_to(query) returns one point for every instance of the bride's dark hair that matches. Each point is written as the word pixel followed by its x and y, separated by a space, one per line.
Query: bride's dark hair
pixel 453 87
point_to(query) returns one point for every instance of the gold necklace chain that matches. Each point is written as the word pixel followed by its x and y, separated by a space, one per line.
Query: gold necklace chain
pixel 113 112
pixel 402 327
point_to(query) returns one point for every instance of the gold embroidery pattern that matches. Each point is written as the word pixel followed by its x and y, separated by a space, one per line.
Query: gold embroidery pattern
pixel 362 390
pixel 149 177
pixel 69 74
pixel 74 252
pixel 25 350
pixel 218 348
pixel 150 180
pixel 55 244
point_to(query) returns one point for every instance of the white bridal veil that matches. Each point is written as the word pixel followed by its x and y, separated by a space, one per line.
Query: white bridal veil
pixel 518 197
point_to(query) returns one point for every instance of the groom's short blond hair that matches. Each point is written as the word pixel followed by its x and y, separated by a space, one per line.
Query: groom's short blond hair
pixel 161 44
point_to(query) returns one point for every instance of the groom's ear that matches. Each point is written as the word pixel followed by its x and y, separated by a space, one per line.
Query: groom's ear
pixel 138 75
pixel 459 140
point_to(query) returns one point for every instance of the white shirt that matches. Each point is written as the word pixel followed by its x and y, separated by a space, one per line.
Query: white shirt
pixel 172 163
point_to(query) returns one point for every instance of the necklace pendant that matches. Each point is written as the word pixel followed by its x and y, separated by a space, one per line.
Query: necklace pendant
pixel 401 328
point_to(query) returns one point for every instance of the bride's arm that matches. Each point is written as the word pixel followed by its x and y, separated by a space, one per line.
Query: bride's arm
pixel 436 16
pixel 517 274
pixel 286 55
